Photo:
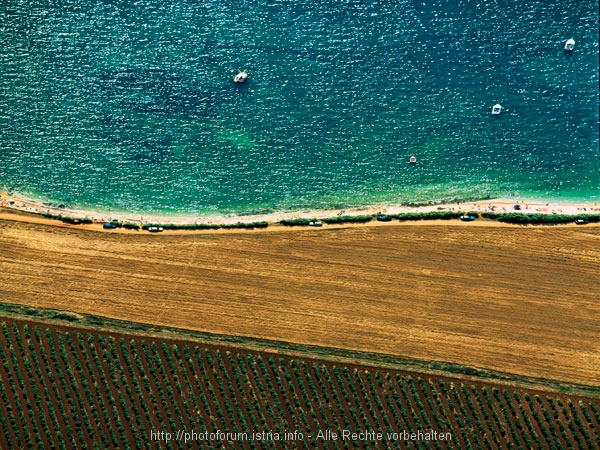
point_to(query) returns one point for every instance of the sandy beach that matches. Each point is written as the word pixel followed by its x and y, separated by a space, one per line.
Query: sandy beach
pixel 16 203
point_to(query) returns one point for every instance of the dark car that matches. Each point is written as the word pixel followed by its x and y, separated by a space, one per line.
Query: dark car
pixel 467 218
pixel 109 226
pixel 517 207
pixel 384 218
pixel 582 221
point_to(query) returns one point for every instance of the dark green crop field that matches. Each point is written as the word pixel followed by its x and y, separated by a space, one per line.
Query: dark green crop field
pixel 74 388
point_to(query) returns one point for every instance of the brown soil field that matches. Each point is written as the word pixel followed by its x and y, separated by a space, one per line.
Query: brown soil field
pixel 522 300
pixel 68 387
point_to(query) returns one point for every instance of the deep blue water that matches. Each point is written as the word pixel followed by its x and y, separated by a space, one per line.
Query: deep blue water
pixel 118 105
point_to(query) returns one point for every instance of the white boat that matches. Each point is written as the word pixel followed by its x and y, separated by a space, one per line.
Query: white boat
pixel 569 45
pixel 412 160
pixel 240 77
pixel 496 109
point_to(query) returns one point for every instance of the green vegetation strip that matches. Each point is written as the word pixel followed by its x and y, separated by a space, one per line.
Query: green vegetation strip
pixel 513 218
pixel 164 226
pixel 378 360
pixel 127 225
pixel 67 219
pixel 434 215
pixel 329 220
pixel 348 219
pixel 296 222
pixel 534 219
pixel 206 226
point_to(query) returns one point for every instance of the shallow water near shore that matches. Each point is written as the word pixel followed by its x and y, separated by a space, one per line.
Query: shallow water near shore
pixel 118 106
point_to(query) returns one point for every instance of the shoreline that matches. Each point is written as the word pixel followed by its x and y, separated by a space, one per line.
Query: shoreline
pixel 19 203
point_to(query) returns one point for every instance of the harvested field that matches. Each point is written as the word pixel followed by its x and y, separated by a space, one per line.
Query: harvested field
pixel 76 388
pixel 522 300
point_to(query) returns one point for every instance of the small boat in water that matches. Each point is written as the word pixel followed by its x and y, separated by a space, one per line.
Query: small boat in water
pixel 497 109
pixel 569 45
pixel 240 77
pixel 412 160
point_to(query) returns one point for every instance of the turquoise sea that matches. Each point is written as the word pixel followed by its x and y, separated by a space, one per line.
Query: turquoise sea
pixel 118 105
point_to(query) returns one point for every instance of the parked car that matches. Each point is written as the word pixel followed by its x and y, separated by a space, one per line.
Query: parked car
pixel 317 223
pixel 384 218
pixel 155 229
pixel 582 221
pixel 467 218
pixel 109 226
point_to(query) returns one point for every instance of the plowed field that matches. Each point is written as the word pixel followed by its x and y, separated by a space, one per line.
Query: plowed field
pixel 515 299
